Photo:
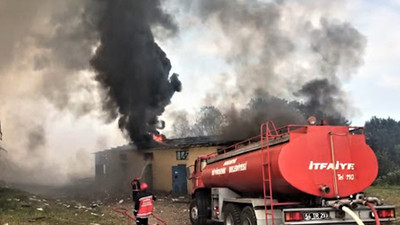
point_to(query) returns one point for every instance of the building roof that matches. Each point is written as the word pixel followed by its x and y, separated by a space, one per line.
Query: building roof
pixel 187 142
pixel 127 147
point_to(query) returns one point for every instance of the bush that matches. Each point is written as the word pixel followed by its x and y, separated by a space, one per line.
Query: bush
pixel 391 178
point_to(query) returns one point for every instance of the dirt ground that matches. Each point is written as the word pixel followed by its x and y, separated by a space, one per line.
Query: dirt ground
pixel 62 206
pixel 173 209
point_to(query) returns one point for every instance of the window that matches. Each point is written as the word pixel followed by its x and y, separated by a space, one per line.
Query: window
pixel 148 156
pixel 182 155
pixel 203 164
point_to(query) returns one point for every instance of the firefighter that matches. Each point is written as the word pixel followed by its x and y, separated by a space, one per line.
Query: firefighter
pixel 143 205
pixel 135 183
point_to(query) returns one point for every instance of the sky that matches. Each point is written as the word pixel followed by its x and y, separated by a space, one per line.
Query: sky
pixel 376 87
pixel 54 122
pixel 373 90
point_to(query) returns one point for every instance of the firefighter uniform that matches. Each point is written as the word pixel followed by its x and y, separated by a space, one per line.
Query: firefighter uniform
pixel 143 207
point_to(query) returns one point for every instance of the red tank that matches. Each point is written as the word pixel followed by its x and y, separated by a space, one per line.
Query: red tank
pixel 325 161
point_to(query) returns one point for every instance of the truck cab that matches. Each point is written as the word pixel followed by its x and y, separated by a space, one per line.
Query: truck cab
pixel 195 175
pixel 200 205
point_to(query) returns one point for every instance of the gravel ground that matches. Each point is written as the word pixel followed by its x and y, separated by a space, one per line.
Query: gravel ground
pixel 174 210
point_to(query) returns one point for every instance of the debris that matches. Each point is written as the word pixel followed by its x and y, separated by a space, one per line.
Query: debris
pixel 121 201
pixel 180 200
pixel 36 219
pixel 94 205
pixel 79 206
pixel 34 199
pixel 39 209
pixel 25 204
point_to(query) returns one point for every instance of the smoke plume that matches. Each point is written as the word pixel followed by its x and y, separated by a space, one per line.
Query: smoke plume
pixel 323 100
pixel 54 109
pixel 289 58
pixel 132 68
pixel 70 66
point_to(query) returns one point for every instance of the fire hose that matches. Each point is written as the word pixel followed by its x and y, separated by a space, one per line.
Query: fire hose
pixel 352 214
pixel 130 217
pixel 372 207
pixel 357 219
pixel 346 205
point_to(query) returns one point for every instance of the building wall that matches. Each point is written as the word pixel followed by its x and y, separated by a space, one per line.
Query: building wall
pixel 164 159
pixel 116 168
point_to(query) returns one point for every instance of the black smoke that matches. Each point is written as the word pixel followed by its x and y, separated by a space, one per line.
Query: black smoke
pixel 131 67
pixel 245 123
pixel 323 100
pixel 288 64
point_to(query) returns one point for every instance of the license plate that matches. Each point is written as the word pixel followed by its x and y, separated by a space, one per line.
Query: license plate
pixel 316 215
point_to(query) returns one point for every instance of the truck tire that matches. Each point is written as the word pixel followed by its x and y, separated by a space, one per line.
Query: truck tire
pixel 231 214
pixel 195 218
pixel 247 216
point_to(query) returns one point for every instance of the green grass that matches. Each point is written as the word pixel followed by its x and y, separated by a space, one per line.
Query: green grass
pixel 21 208
pixel 389 194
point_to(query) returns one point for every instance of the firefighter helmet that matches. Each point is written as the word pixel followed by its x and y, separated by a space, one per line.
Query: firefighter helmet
pixel 143 187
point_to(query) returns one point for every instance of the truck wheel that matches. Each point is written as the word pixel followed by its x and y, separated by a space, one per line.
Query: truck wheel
pixel 195 219
pixel 231 215
pixel 248 217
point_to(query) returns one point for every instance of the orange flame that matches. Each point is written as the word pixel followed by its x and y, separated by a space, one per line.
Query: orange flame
pixel 160 138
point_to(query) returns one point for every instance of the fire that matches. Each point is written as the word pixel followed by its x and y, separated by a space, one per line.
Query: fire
pixel 160 138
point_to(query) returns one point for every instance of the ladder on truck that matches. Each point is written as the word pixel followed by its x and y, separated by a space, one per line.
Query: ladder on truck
pixel 267 132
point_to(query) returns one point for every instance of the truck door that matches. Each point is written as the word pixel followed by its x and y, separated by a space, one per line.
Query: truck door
pixel 179 184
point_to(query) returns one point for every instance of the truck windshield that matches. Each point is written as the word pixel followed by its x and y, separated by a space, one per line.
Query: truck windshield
pixel 203 164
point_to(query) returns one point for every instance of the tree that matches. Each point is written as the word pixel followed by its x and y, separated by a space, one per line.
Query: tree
pixel 383 135
pixel 209 121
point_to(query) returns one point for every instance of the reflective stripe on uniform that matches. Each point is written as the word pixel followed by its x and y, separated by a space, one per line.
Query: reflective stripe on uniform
pixel 145 207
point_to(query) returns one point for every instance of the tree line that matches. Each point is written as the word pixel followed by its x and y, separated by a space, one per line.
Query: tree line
pixel 383 135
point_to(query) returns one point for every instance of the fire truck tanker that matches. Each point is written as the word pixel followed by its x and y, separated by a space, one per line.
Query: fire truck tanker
pixel 298 174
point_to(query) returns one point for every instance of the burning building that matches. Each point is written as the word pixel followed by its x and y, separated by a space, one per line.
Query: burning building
pixel 162 166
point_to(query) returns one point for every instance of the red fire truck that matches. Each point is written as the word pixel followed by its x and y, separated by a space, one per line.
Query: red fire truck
pixel 297 174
